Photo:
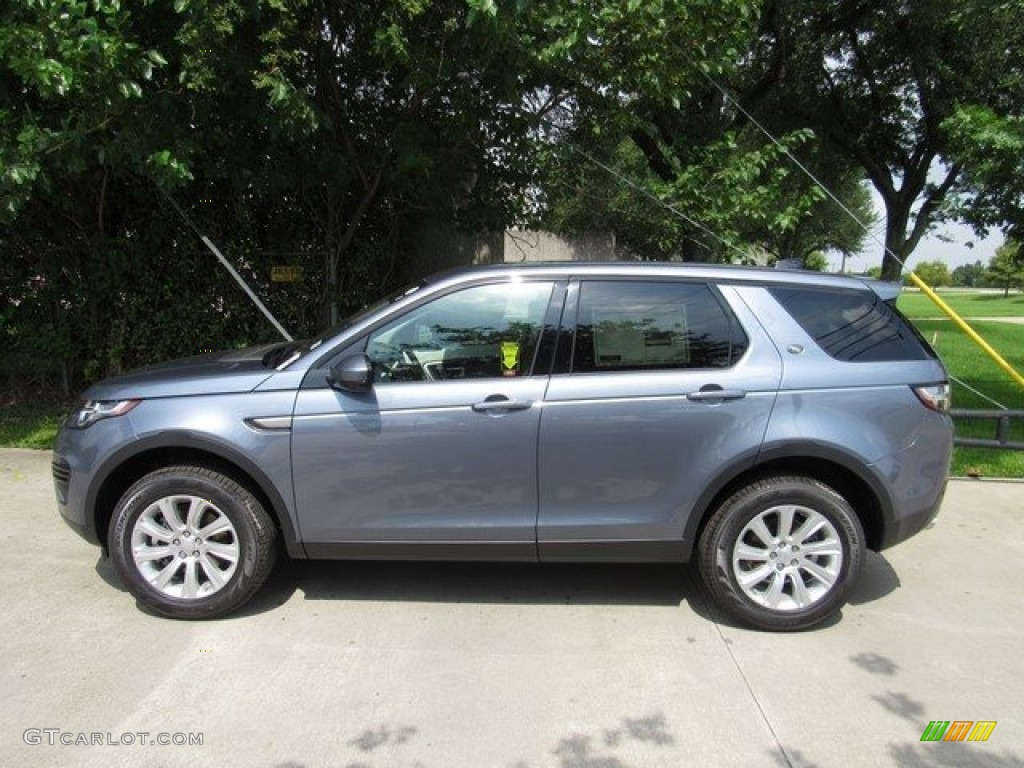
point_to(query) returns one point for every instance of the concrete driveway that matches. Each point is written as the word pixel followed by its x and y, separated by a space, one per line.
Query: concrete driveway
pixel 381 665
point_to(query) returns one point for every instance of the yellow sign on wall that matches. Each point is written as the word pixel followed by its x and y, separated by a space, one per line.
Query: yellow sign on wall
pixel 286 274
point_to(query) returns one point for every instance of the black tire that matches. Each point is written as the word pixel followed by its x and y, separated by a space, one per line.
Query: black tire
pixel 193 579
pixel 821 562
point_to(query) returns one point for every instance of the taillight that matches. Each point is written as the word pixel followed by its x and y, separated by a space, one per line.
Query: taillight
pixel 937 397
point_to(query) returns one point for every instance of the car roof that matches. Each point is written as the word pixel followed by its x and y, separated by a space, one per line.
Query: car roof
pixel 731 273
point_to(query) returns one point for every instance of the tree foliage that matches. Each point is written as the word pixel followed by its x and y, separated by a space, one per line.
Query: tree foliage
pixel 722 184
pixel 327 135
pixel 991 149
pixel 969 275
pixel 880 83
pixel 935 273
pixel 1006 268
pixel 285 130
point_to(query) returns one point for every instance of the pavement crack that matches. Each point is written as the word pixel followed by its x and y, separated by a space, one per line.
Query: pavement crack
pixel 746 682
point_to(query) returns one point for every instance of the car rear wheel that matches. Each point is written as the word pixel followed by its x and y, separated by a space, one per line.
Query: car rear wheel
pixel 191 543
pixel 782 553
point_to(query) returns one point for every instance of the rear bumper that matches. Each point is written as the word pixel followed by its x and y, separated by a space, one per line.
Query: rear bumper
pixel 917 477
pixel 910 524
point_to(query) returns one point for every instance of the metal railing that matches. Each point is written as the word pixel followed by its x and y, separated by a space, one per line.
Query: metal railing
pixel 1003 420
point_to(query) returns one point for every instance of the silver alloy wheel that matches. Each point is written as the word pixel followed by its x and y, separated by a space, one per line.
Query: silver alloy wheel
pixel 185 547
pixel 787 558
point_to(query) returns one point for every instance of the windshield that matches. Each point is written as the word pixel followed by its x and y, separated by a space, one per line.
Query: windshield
pixel 283 355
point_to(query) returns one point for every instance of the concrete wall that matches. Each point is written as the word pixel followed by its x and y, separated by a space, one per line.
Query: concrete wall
pixel 437 249
pixel 528 245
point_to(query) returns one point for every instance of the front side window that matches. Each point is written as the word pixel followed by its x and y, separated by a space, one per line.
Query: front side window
pixel 486 331
pixel 627 326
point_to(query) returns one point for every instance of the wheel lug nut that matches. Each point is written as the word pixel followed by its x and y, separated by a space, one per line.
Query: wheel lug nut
pixel 196 554
pixel 177 542
pixel 774 555
pixel 796 548
pixel 780 567
pixel 793 562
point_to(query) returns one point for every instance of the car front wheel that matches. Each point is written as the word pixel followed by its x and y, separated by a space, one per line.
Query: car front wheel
pixel 782 553
pixel 191 543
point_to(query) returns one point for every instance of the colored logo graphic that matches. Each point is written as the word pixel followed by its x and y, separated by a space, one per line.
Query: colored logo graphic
pixel 509 358
pixel 958 730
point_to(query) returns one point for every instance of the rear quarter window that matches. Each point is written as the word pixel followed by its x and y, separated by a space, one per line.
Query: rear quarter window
pixel 853 326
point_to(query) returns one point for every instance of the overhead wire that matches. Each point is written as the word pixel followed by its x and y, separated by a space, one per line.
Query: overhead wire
pixel 869 231
pixel 796 161
pixel 668 206
pixel 914 278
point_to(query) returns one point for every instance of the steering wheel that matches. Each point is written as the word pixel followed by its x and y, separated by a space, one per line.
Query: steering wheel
pixel 406 367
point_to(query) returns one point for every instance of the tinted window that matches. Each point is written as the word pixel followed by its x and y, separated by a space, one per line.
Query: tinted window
pixel 625 326
pixel 479 332
pixel 853 326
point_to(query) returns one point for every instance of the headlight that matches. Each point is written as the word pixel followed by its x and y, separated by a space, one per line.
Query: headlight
pixel 91 411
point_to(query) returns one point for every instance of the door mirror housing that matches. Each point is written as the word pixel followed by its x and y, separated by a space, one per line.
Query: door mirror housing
pixel 353 374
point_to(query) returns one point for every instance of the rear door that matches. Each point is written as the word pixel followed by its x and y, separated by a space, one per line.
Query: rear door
pixel 659 386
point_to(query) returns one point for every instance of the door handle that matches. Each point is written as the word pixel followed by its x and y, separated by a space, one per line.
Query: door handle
pixel 714 393
pixel 500 403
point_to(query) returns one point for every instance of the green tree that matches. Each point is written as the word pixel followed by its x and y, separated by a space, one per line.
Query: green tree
pixel 816 261
pixel 991 149
pixel 325 134
pixel 74 86
pixel 1006 268
pixel 935 273
pixel 878 81
pixel 827 226
pixel 647 73
pixel 969 275
pixel 583 197
pixel 316 133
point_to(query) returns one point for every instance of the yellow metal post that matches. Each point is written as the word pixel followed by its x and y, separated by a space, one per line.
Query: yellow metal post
pixel 963 326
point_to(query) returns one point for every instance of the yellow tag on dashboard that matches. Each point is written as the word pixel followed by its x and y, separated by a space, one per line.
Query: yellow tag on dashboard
pixel 510 358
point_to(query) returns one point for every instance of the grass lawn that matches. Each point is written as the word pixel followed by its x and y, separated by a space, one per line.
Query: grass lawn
pixel 973 368
pixel 915 304
pixel 30 424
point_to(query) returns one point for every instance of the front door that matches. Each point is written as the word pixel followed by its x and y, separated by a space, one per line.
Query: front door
pixel 442 452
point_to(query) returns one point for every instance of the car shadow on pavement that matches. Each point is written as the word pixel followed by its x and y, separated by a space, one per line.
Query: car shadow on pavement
pixel 660 584
pixel 485 583
pixel 105 570
pixel 877 579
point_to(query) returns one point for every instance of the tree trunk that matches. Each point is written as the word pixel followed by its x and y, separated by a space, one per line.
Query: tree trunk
pixel 339 244
pixel 896 250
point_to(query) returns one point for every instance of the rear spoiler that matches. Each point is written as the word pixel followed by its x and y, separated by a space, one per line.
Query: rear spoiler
pixel 887 291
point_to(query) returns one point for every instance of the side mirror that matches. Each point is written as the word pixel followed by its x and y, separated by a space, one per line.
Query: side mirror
pixel 353 374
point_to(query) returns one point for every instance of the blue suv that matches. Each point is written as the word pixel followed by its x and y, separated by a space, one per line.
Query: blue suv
pixel 769 425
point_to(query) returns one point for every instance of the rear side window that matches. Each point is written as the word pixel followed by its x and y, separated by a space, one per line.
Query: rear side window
pixel 853 326
pixel 627 326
